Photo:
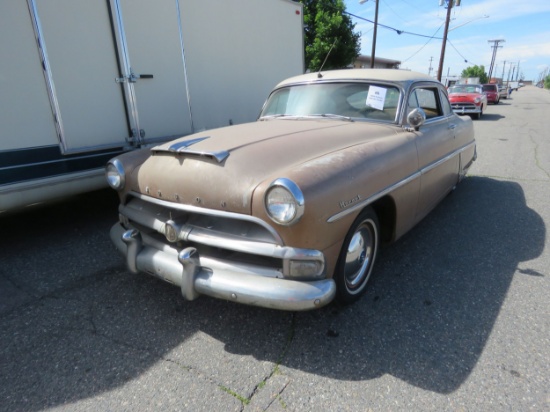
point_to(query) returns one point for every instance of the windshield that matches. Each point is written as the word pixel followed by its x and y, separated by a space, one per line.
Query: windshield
pixel 334 100
pixel 489 88
pixel 465 88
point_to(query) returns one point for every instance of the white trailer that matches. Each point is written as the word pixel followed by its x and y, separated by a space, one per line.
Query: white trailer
pixel 82 81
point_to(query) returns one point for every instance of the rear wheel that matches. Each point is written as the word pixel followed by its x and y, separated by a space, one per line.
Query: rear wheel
pixel 357 257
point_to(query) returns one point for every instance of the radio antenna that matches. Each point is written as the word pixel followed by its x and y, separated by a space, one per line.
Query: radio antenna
pixel 319 75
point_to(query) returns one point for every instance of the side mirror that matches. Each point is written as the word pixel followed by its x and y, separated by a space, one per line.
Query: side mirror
pixel 416 118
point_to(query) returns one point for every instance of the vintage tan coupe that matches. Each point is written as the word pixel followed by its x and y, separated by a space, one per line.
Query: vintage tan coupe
pixel 289 212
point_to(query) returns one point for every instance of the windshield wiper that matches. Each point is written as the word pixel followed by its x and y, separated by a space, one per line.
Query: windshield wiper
pixel 274 116
pixel 292 116
pixel 333 116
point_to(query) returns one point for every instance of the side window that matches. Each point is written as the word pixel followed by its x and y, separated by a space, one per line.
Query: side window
pixel 428 100
pixel 445 104
pixel 413 101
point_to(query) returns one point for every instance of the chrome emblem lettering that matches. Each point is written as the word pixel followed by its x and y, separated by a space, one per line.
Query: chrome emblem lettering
pixel 346 203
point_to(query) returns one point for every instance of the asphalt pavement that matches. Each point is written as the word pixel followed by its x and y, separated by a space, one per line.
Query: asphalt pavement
pixel 456 319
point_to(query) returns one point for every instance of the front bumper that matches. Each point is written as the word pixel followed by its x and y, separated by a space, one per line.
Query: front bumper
pixel 466 109
pixel 196 276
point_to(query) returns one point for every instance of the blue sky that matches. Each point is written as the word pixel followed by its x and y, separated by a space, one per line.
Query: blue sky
pixel 524 25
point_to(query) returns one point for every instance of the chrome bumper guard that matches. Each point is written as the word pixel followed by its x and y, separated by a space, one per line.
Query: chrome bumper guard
pixel 196 276
pixel 467 110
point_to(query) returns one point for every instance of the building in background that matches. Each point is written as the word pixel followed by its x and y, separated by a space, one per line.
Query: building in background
pixel 363 62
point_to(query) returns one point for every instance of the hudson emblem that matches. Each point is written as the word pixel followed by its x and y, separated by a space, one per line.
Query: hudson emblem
pixel 346 203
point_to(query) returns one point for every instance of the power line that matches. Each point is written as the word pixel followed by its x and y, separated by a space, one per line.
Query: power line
pixel 393 28
pixel 424 45
pixel 430 38
pixel 456 50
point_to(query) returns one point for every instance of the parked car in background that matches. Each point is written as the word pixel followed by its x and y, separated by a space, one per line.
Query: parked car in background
pixel 502 91
pixel 290 211
pixel 492 93
pixel 468 99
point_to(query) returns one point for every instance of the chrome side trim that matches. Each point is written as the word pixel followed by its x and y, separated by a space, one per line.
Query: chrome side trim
pixel 444 159
pixel 397 185
pixel 210 212
pixel 373 198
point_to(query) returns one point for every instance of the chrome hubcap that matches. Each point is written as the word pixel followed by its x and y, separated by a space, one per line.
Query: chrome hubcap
pixel 359 256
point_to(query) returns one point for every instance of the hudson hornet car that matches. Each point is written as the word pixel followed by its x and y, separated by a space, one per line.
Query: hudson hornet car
pixel 290 211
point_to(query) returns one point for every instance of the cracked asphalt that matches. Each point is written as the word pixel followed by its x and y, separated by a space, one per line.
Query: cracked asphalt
pixel 456 319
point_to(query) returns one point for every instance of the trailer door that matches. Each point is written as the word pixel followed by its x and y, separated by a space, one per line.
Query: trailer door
pixel 154 58
pixel 80 63
pixel 115 71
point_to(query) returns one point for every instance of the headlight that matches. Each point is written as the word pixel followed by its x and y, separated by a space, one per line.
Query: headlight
pixel 115 174
pixel 284 202
pixel 477 100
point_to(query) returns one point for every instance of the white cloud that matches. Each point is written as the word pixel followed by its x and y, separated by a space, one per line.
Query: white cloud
pixel 502 10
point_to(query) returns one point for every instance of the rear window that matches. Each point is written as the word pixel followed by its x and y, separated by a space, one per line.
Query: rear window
pixel 489 88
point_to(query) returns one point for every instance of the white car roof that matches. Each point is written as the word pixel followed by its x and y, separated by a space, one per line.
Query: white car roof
pixel 393 75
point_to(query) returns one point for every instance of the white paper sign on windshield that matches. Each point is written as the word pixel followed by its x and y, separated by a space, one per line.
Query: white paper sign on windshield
pixel 376 97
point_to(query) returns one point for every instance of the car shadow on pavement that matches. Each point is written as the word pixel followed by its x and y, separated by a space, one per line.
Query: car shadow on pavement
pixel 435 297
pixel 87 327
pixel 491 117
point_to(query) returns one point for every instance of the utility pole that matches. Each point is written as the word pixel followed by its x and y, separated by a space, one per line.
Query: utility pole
pixel 373 52
pixel 495 48
pixel 512 77
pixel 430 69
pixel 508 78
pixel 447 20
pixel 503 68
pixel 517 73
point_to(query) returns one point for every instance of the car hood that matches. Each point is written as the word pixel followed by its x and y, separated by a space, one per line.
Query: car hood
pixel 464 96
pixel 220 168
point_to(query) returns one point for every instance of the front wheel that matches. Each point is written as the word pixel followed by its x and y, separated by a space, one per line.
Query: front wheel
pixel 357 257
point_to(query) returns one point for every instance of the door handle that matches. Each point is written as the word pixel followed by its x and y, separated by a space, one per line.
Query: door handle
pixel 132 78
pixel 452 126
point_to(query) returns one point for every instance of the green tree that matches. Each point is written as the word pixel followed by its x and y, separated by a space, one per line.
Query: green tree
pixel 476 71
pixel 547 82
pixel 326 24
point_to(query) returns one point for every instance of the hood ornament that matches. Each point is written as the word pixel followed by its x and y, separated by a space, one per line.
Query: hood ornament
pixel 183 148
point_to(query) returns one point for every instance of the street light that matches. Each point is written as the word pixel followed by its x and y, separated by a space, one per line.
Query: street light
pixel 373 52
pixel 485 16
